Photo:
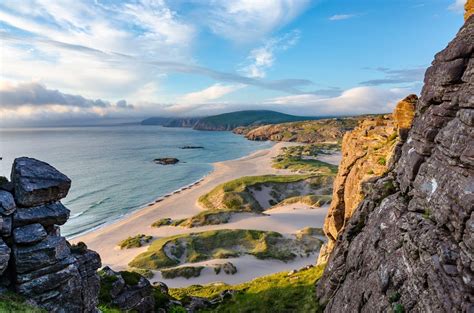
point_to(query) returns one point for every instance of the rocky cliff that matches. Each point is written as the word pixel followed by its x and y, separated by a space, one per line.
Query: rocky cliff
pixel 325 130
pixel 367 152
pixel 35 261
pixel 409 244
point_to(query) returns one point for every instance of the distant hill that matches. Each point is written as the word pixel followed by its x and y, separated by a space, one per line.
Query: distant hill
pixel 229 121
pixel 171 121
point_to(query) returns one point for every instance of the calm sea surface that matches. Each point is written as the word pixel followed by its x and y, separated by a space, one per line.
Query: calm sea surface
pixel 112 168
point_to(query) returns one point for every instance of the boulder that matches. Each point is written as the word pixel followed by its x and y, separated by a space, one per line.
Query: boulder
pixel 37 182
pixel 7 203
pixel 166 161
pixel 29 234
pixel 46 215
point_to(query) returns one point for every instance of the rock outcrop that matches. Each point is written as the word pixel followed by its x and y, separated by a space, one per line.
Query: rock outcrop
pixel 35 261
pixel 367 153
pixel 127 291
pixel 408 246
pixel 469 8
pixel 327 130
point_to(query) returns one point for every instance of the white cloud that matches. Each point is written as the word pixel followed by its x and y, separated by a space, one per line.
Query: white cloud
pixel 359 100
pixel 262 58
pixel 58 41
pixel 457 6
pixel 339 17
pixel 250 20
pixel 213 92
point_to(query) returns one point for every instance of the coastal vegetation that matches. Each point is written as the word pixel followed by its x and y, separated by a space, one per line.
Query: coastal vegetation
pixel 316 131
pixel 222 244
pixel 167 222
pixel 303 159
pixel 135 241
pixel 281 292
pixel 237 195
pixel 183 271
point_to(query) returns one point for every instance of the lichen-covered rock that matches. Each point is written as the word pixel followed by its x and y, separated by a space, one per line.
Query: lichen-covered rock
pixel 367 153
pixel 37 182
pixel 409 244
pixel 7 203
pixel 29 234
pixel 46 215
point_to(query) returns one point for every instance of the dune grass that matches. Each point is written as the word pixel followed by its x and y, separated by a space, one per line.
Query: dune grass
pixel 135 241
pixel 234 196
pixel 277 293
pixel 303 159
pixel 220 244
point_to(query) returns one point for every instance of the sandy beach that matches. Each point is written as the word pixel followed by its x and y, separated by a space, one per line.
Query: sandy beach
pixel 284 219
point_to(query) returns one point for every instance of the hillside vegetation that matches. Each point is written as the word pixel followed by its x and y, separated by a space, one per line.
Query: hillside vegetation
pixel 278 293
pixel 229 121
pixel 309 131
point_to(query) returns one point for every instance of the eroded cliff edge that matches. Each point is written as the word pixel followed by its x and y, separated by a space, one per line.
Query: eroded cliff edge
pixel 409 244
pixel 368 151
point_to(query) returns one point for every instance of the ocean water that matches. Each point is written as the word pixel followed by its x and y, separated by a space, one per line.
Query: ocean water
pixel 112 168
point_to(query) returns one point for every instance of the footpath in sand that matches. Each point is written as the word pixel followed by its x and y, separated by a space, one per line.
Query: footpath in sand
pixel 284 219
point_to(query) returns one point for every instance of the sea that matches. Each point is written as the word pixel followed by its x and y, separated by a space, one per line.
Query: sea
pixel 112 168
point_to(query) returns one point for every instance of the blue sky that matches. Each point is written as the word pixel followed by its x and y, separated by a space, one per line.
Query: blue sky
pixel 91 60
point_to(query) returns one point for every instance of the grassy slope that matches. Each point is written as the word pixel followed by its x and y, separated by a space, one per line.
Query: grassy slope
pixel 232 195
pixel 293 158
pixel 214 244
pixel 249 117
pixel 274 293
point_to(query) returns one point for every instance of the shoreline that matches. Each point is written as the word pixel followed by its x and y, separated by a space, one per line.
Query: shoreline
pixel 182 203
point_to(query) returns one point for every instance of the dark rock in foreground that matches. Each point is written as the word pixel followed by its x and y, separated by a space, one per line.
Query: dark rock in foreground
pixel 37 182
pixel 127 291
pixel 166 161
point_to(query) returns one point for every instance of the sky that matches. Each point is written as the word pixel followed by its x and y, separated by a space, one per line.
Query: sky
pixel 97 61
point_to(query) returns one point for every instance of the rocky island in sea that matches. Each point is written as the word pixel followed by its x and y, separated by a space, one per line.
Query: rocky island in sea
pixel 364 213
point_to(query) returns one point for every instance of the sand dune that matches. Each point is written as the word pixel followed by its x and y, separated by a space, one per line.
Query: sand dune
pixel 284 219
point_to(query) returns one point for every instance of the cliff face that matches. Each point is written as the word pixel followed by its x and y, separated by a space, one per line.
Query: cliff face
pixel 367 152
pixel 469 6
pixel 35 261
pixel 409 244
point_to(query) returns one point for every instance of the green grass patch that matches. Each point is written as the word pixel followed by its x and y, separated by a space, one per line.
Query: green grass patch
pixel 234 195
pixel 14 303
pixel 303 159
pixel 311 200
pixel 184 271
pixel 135 241
pixel 218 244
pixel 274 293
